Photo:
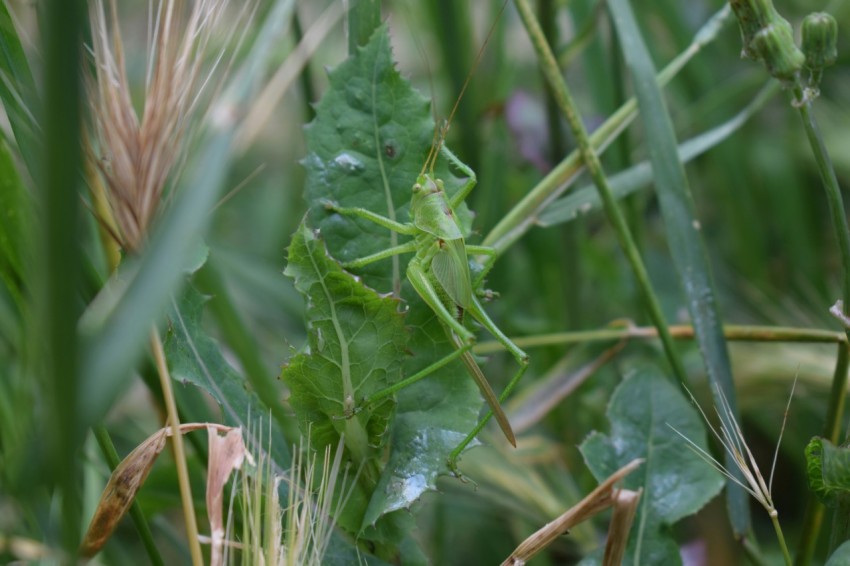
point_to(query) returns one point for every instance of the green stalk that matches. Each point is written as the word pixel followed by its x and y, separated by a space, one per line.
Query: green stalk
pixel 179 453
pixel 835 412
pixel 731 332
pixel 522 217
pixel 305 77
pixel 774 518
pixel 58 300
pixel 562 95
pixel 830 185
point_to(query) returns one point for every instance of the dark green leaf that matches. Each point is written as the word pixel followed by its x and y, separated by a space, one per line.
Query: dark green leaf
pixel 683 233
pixel 828 471
pixel 841 556
pixel 356 347
pixel 368 143
pixel 370 138
pixel 643 412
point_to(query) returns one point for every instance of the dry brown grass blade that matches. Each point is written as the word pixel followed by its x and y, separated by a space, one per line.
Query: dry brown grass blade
pixel 597 500
pixel 124 484
pixel 226 453
pixel 625 506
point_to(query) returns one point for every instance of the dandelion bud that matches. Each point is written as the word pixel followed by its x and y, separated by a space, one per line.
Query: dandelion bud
pixel 775 45
pixel 820 35
pixel 753 16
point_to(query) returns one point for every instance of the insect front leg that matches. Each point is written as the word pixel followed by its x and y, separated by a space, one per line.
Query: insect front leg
pixel 409 247
pixel 401 228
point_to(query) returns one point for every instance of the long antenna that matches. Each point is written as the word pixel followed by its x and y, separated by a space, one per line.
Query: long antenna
pixel 443 130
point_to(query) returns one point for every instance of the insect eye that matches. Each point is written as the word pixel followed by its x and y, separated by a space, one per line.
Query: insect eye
pixel 417 187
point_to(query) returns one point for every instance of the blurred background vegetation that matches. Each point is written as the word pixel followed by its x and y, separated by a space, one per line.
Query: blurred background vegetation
pixel 759 201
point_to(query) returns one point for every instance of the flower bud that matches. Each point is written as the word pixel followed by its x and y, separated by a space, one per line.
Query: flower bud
pixel 775 45
pixel 820 36
pixel 753 16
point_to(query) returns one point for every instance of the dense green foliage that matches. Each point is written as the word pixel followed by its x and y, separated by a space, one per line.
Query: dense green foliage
pixel 709 169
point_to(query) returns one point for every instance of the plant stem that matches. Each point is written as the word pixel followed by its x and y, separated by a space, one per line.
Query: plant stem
pixel 830 185
pixel 522 217
pixel 732 332
pixel 774 517
pixel 179 453
pixel 56 299
pixel 835 412
pixel 589 157
pixel 842 234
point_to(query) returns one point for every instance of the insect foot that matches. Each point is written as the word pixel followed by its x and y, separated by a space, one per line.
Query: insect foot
pixel 487 295
pixel 452 465
pixel 330 205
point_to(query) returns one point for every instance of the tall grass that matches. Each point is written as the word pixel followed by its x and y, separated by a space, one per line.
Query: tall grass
pixel 113 166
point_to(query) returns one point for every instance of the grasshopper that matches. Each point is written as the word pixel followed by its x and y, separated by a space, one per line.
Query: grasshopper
pixel 439 272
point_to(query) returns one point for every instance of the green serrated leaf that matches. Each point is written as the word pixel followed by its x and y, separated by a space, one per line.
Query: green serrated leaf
pixel 828 471
pixel 643 412
pixel 356 347
pixel 193 357
pixel 368 143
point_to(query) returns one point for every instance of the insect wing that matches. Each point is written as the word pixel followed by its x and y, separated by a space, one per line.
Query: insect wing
pixel 433 214
pixel 490 397
pixel 451 270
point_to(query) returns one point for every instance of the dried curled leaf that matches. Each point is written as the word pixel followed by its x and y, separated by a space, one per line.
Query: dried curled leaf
pixel 124 484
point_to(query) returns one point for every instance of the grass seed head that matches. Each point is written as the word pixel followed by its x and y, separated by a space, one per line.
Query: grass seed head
pixel 137 154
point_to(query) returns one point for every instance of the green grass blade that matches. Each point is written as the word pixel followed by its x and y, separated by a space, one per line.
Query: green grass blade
pixel 58 278
pixel 586 199
pixel 686 246
pixel 523 216
pixel 114 336
pixel 17 89
pixel 15 209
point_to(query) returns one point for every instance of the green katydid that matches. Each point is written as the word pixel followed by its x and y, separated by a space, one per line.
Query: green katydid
pixel 439 273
